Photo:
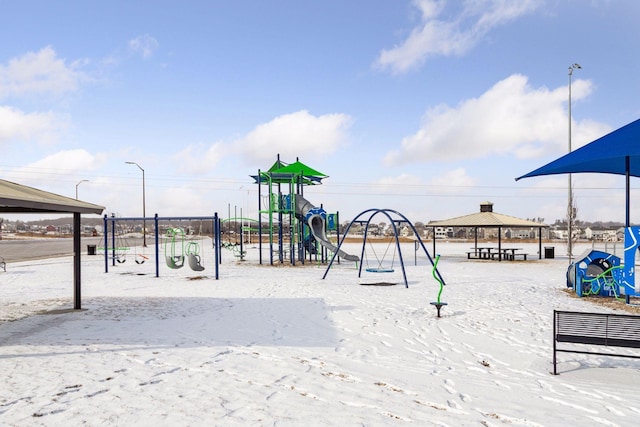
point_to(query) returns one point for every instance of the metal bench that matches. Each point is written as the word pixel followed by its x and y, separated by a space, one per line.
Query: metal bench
pixel 595 329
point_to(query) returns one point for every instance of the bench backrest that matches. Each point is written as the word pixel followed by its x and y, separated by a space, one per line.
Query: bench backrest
pixel 617 330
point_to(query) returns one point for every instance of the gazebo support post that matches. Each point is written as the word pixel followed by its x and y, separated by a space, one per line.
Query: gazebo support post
pixel 475 241
pixel 434 240
pixel 76 262
pixel 539 242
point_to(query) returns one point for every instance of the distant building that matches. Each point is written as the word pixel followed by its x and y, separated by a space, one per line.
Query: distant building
pixel 601 235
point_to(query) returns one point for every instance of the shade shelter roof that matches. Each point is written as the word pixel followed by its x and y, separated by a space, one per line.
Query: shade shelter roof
pixel 16 198
pixel 616 153
pixel 607 154
pixel 486 218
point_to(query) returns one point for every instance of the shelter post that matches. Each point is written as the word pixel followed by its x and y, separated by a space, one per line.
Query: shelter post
pixel 434 239
pixel 76 261
pixel 105 232
pixel 216 242
pixel 157 243
pixel 539 242
pixel 627 166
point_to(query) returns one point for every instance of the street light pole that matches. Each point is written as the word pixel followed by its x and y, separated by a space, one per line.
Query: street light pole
pixel 84 180
pixel 570 211
pixel 144 213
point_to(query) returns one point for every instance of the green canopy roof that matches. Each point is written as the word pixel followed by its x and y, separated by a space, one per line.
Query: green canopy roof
pixel 277 165
pixel 280 172
pixel 299 168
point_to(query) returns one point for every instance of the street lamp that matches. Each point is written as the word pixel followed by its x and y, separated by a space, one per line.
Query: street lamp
pixel 84 180
pixel 570 212
pixel 144 213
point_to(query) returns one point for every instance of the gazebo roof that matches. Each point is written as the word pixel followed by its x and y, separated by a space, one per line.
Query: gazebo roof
pixel 485 218
pixel 17 198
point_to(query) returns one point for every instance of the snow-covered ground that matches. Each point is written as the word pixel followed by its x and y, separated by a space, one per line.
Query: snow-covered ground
pixel 268 345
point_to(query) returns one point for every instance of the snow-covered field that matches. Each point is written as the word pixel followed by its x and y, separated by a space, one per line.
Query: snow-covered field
pixel 268 345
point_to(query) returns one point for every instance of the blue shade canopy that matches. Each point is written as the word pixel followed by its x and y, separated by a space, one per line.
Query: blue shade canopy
pixel 615 153
pixel 607 154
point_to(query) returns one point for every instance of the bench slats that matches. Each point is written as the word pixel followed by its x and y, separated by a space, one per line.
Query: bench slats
pixel 611 330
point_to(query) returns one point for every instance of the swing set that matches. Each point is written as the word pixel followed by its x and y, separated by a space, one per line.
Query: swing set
pixel 174 244
pixel 382 266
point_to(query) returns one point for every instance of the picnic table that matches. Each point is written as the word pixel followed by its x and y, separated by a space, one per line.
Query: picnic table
pixel 493 253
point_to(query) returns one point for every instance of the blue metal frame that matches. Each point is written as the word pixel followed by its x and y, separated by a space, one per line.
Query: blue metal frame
pixel 393 222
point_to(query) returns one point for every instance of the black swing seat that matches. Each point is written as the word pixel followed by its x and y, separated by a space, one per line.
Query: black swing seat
pixel 140 259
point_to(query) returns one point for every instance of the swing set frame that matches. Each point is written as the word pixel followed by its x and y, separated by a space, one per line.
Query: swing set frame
pixel 395 219
pixel 110 226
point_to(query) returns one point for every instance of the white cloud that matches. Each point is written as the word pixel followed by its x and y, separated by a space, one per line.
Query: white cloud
pixel 144 45
pixel 198 159
pixel 454 36
pixel 39 72
pixel 453 182
pixel 511 118
pixel 58 172
pixel 298 134
pixel 16 125
pixel 71 160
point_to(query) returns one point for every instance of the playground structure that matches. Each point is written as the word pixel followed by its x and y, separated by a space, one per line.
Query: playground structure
pixel 395 219
pixel 601 273
pixel 175 246
pixel 296 228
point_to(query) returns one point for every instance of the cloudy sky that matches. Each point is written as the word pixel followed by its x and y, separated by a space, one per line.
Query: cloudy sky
pixel 426 107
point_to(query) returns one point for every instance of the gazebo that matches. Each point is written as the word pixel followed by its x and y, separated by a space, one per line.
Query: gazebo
pixel 16 198
pixel 487 218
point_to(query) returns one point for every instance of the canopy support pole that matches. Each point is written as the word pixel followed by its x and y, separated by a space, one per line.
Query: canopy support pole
pixel 627 168
pixel 77 300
